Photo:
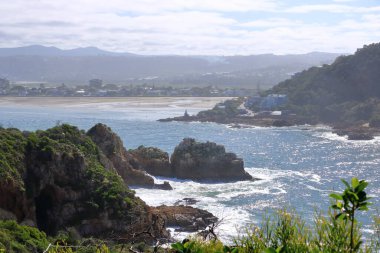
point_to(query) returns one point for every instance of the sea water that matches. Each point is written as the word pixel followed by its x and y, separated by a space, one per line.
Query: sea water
pixel 297 166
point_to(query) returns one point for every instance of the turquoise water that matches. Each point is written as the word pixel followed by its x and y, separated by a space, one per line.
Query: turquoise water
pixel 299 167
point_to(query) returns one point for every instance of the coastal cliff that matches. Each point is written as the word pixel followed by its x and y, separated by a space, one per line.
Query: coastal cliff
pixel 55 179
pixel 117 157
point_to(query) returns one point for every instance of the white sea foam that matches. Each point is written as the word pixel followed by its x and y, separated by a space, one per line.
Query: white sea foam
pixel 212 197
pixel 330 136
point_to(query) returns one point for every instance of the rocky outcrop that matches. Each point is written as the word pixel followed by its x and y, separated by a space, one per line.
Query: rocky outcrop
pixel 153 160
pixel 185 218
pixel 206 161
pixel 125 164
pixel 59 182
pixel 357 133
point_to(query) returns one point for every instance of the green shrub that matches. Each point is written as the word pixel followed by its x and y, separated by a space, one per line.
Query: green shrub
pixel 19 239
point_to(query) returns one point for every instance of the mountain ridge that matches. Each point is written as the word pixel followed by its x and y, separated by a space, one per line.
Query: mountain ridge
pixel 77 66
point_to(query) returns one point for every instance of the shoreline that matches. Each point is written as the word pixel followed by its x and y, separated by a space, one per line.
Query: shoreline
pixel 131 102
pixel 357 132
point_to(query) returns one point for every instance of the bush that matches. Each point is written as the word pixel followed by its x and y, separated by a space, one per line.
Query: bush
pixel 21 239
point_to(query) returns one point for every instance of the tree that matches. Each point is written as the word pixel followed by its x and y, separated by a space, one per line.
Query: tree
pixel 353 199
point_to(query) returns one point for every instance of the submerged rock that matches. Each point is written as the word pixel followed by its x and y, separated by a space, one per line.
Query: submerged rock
pixel 356 133
pixel 206 161
pixel 186 202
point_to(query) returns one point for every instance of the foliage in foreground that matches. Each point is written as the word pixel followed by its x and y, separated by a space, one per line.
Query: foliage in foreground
pixel 287 232
pixel 20 239
pixel 283 232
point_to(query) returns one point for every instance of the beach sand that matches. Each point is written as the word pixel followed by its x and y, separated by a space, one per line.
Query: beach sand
pixel 121 102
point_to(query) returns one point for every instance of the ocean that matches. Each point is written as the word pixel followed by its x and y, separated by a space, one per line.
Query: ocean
pixel 298 166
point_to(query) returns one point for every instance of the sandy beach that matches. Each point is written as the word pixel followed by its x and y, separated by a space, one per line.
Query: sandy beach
pixel 122 102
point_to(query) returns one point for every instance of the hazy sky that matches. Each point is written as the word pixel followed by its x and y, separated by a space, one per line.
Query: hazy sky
pixel 218 27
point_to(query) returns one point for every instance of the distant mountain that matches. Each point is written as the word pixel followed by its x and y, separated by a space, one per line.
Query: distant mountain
pixel 346 91
pixel 37 50
pixel 77 66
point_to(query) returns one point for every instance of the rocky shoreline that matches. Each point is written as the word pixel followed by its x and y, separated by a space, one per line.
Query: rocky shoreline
pixel 353 132
pixel 65 178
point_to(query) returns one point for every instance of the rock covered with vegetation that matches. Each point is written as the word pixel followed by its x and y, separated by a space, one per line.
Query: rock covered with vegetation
pixel 153 160
pixel 206 161
pixel 112 147
pixel 56 179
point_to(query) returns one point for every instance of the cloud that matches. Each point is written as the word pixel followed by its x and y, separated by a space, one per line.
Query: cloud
pixel 188 27
pixel 343 1
pixel 333 8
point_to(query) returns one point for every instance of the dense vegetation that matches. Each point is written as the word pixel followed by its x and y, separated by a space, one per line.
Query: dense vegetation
pixel 346 91
pixel 12 152
pixel 23 239
pixel 17 148
pixel 56 179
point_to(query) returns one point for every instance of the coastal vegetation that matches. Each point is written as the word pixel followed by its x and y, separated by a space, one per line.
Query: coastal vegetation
pixel 58 179
pixel 284 231
pixel 64 188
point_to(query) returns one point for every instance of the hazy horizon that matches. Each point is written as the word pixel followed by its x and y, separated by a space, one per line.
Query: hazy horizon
pixel 125 53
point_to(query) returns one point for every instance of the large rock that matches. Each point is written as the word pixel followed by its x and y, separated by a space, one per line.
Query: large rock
pixel 153 160
pixel 206 161
pixel 185 218
pixel 58 182
pixel 112 147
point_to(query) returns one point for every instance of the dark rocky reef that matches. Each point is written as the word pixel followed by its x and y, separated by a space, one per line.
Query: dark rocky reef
pixel 185 218
pixel 57 179
pixel 357 133
pixel 206 161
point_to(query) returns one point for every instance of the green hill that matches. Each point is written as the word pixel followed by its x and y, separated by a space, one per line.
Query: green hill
pixel 346 91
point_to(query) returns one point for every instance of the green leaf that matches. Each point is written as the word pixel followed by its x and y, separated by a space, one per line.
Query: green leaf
pixel 340 216
pixel 336 196
pixel 354 182
pixel 178 246
pixel 345 182
pixel 270 250
pixel 353 195
pixel 361 186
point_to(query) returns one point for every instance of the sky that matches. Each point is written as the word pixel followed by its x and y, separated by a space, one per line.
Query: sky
pixel 192 27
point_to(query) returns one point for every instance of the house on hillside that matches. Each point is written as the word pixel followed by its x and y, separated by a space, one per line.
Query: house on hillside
pixel 272 101
pixel 267 103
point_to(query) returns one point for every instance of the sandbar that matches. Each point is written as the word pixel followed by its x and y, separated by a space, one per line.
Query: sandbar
pixel 128 102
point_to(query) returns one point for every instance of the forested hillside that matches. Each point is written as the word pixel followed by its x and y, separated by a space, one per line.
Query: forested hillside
pixel 346 91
